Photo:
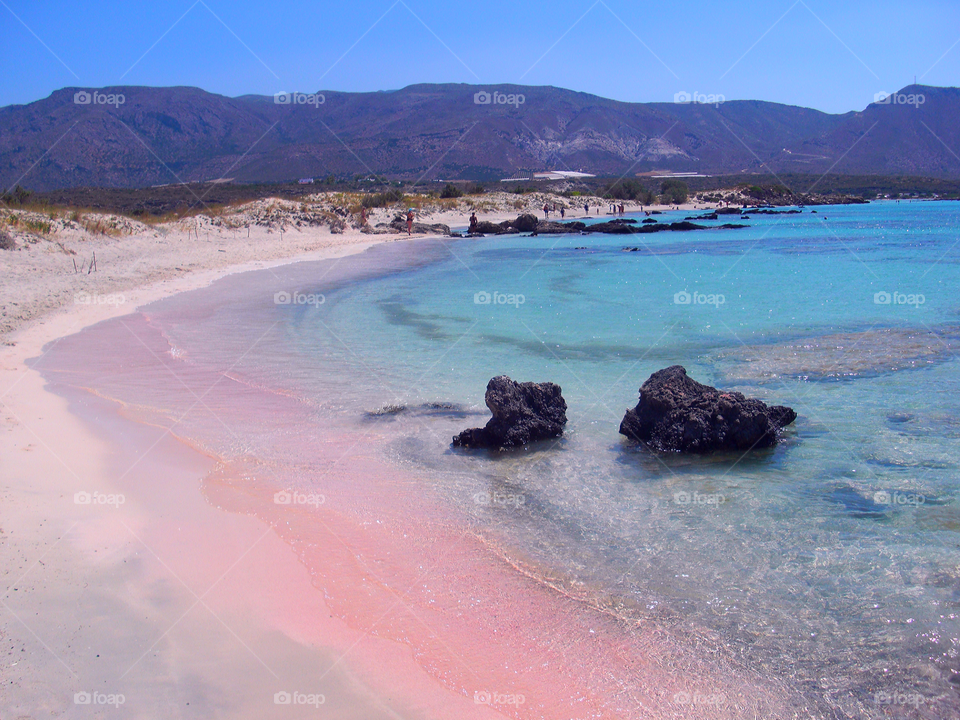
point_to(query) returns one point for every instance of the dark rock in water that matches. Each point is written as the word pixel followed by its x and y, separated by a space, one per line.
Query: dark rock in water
pixel 674 226
pixel 624 227
pixel 522 413
pixel 488 228
pixel 554 228
pixel 429 409
pixel 612 227
pixel 386 410
pixel 856 505
pixel 676 413
pixel 525 223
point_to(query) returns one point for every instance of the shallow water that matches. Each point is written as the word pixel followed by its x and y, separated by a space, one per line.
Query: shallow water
pixel 830 563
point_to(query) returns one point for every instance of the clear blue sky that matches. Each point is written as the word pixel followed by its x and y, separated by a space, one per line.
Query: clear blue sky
pixel 832 55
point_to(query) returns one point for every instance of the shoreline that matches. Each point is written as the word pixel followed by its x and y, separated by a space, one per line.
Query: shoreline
pixel 55 551
pixel 420 686
pixel 49 269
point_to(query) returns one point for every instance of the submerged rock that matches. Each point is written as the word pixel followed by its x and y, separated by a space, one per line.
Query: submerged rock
pixel 846 355
pixel 676 413
pixel 522 413
pixel 857 505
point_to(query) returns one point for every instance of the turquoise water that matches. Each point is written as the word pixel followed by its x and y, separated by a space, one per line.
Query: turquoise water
pixel 803 568
pixel 831 560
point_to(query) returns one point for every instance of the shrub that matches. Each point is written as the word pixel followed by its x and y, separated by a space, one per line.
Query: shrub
pixel 451 191
pixel 673 191
pixel 625 190
pixel 389 197
pixel 17 196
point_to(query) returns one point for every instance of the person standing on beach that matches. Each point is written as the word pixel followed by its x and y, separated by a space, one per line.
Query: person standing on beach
pixel 409 222
pixel 363 217
pixel 562 213
pixel 546 211
pixel 473 222
pixel 586 209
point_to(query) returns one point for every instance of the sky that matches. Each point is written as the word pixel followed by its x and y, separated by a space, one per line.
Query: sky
pixel 826 54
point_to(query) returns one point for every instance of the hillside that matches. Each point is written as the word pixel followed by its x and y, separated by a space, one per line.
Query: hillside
pixel 180 134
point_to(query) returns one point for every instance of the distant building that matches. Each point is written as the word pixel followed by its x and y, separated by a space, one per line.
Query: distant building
pixel 306 181
pixel 561 175
pixel 681 175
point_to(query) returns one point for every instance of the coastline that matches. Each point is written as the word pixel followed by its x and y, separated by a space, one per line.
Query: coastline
pixel 55 550
pixel 47 270
pixel 393 667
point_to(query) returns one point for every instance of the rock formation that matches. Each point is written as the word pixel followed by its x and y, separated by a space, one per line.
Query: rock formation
pixel 522 413
pixel 676 413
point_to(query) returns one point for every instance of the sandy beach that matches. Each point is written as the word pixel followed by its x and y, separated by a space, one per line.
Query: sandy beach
pixel 55 250
pixel 56 550
pixel 148 582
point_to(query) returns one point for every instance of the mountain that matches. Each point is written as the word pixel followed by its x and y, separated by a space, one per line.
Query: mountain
pixel 157 136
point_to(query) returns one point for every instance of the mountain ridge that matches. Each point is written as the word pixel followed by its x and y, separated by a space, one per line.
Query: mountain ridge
pixel 159 135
